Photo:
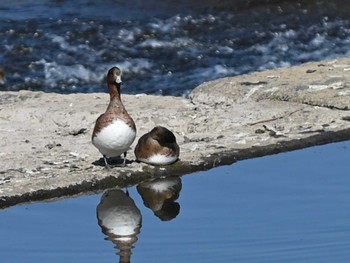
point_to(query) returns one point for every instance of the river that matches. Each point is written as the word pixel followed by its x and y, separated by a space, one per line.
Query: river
pixel 163 47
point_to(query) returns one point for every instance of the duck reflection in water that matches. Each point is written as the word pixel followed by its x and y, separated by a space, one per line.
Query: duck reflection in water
pixel 160 194
pixel 120 220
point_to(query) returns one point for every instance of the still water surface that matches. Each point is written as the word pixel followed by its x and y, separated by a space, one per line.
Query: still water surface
pixel 291 207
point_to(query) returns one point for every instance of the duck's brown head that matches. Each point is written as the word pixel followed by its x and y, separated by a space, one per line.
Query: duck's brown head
pixel 114 76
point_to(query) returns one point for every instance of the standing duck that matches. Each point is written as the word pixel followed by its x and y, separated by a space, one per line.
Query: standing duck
pixel 157 147
pixel 114 130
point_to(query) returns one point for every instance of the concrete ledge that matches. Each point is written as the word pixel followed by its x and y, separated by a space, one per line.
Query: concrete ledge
pixel 45 138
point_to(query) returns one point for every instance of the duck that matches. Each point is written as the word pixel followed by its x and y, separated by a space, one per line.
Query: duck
pixel 157 147
pixel 114 130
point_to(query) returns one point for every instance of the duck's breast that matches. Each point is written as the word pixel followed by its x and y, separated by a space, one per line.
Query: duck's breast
pixel 160 159
pixel 115 138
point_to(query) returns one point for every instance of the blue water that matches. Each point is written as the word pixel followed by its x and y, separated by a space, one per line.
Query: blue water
pixel 163 48
pixel 290 207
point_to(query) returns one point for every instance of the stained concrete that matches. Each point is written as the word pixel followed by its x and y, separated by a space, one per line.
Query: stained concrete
pixel 45 148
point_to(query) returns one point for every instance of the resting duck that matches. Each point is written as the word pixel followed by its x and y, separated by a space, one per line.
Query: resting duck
pixel 157 147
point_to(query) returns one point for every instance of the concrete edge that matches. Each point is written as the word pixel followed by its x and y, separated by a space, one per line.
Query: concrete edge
pixel 215 160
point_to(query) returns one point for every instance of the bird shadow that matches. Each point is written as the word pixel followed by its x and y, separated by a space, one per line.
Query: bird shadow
pixel 112 161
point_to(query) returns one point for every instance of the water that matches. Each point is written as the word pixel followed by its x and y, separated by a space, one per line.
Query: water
pixel 290 207
pixel 165 48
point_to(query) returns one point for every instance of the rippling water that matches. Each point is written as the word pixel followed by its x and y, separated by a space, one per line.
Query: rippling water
pixel 163 48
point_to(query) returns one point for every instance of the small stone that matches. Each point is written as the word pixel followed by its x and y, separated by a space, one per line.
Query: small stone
pixel 259 131
pixel 310 70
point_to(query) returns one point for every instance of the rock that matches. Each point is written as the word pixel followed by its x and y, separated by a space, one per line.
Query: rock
pixel 45 137
pixel 325 84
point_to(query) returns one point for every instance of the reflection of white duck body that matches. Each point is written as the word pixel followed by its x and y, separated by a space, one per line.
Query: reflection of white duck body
pixel 120 220
pixel 118 214
pixel 160 194
pixel 166 186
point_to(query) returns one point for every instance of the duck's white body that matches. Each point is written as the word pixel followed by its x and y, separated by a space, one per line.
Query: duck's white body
pixel 114 139
pixel 159 159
